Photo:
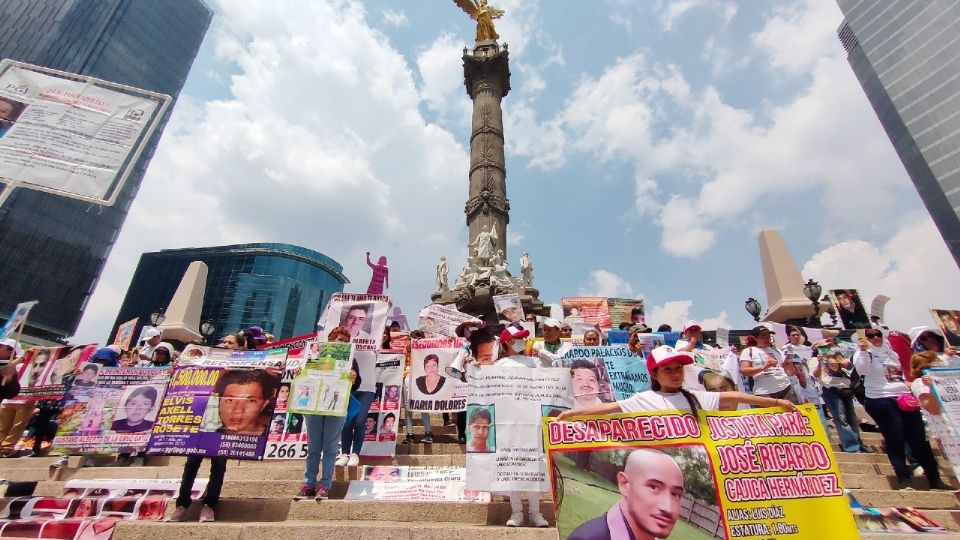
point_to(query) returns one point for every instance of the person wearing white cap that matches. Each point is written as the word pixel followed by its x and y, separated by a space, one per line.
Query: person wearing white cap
pixel 151 337
pixel 551 349
pixel 690 338
pixel 928 338
pixel 665 365
pixel 13 416
pixel 764 363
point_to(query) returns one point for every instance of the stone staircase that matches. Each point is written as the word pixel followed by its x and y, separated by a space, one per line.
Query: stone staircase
pixel 257 499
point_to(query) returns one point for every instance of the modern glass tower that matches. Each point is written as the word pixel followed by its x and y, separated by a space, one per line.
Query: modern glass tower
pixel 279 287
pixel 54 248
pixel 906 54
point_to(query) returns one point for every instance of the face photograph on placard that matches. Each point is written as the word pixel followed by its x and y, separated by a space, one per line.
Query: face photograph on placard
pixel 481 429
pixel 85 508
pixel 87 377
pixel 850 309
pixel 391 398
pixel 383 473
pixel 137 410
pixel 283 397
pixel 388 427
pixel 10 111
pixel 243 400
pixel 430 379
pixel 590 385
pixel 358 320
pixel 277 424
pixel 151 508
pixel 124 507
pixel 664 492
pixel 949 323
pixel 370 427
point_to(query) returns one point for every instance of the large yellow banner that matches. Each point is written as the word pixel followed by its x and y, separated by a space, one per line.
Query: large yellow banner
pixel 756 474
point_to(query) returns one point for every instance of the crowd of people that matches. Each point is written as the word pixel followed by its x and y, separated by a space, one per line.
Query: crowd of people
pixel 831 374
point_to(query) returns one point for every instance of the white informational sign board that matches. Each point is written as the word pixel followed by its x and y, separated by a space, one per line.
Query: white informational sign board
pixel 71 135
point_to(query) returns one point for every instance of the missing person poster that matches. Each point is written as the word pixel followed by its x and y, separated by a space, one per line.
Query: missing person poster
pixel 442 321
pixel 756 474
pixel 17 318
pixel 508 307
pixel 287 438
pixel 413 484
pixel 625 310
pixel 219 403
pixel 605 374
pixel 379 442
pixel 948 321
pixel 46 371
pixel 591 310
pixel 109 409
pixel 850 310
pixel 505 408
pixel 945 386
pixel 323 385
pixel 431 388
pixel 363 315
pixel 125 334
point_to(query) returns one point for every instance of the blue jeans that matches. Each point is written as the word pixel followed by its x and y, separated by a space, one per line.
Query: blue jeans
pixel 844 420
pixel 353 431
pixel 323 434
pixel 425 420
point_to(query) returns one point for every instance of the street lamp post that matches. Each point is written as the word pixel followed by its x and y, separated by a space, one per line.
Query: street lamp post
pixel 812 291
pixel 753 308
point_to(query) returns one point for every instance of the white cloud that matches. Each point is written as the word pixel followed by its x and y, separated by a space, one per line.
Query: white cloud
pixel 514 238
pixel 676 9
pixel 330 155
pixel 798 36
pixel 394 17
pixel 685 233
pixel 913 268
pixel 677 312
pixel 607 284
pixel 441 69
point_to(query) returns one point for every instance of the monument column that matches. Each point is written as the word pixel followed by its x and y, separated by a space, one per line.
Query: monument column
pixel 486 74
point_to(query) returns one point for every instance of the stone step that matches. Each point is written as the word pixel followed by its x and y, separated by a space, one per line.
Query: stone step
pixel 494 513
pixel 338 530
pixel 25 474
pixel 907 536
pixel 876 481
pixel 946 518
pixel 934 500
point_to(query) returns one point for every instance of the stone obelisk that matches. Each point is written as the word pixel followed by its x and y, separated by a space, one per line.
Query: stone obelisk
pixel 486 76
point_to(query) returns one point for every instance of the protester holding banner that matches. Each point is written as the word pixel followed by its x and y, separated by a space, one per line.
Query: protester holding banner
pixel 665 365
pixel 926 338
pixel 364 391
pixel 940 426
pixel 13 416
pixel 833 370
pixel 151 338
pixel 764 363
pixel 323 436
pixel 895 410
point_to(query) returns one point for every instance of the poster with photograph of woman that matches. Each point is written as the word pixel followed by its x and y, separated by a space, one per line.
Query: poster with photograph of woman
pixel 508 307
pixel 948 321
pixel 431 389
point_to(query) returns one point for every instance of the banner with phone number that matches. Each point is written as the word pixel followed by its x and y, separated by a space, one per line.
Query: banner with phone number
pixel 754 474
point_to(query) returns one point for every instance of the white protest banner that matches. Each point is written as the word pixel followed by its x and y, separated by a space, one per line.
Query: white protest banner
pixel 363 315
pixel 380 437
pixel 437 320
pixel 508 307
pixel 413 484
pixel 605 374
pixel 128 487
pixel 73 135
pixel 16 319
pixel 323 385
pixel 946 388
pixel 505 407
pixel 431 389
pixel 287 436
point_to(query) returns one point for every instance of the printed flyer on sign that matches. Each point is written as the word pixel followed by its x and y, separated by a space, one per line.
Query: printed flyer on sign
pixel 413 484
pixel 756 474
pixel 287 438
pixel 592 310
pixel 948 321
pixel 46 371
pixel 605 374
pixel 505 408
pixel 625 310
pixel 323 385
pixel 110 409
pixel 363 315
pixel 508 307
pixel 17 318
pixel 942 423
pixel 431 389
pixel 437 320
pixel 378 440
pixel 125 333
pixel 69 135
pixel 219 403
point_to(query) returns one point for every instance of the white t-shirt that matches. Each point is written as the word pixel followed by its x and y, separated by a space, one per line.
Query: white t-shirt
pixel 770 380
pixel 883 375
pixel 651 400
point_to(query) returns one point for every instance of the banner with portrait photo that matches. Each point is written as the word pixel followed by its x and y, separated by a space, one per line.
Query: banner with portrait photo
pixel 754 474
pixel 363 315
pixel 431 389
pixel 287 436
pixel 945 386
pixel 849 308
pixel 508 307
pixel 125 334
pixel 16 318
pixel 505 408
pixel 948 321
pixel 113 410
pixel 46 371
pixel 323 385
pixel 437 320
pixel 219 402
pixel 380 436
pixel 413 484
pixel 605 374
pixel 625 310
pixel 593 310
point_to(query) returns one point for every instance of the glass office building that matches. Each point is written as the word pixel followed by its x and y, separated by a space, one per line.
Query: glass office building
pixel 279 287
pixel 906 54
pixel 54 248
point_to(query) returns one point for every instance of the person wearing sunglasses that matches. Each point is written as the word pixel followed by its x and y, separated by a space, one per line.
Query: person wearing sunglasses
pixel 900 422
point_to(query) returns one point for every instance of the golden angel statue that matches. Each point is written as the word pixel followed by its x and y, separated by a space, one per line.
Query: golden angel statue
pixel 484 14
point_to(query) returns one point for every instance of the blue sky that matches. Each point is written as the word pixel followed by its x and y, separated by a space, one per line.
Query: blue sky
pixel 647 145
